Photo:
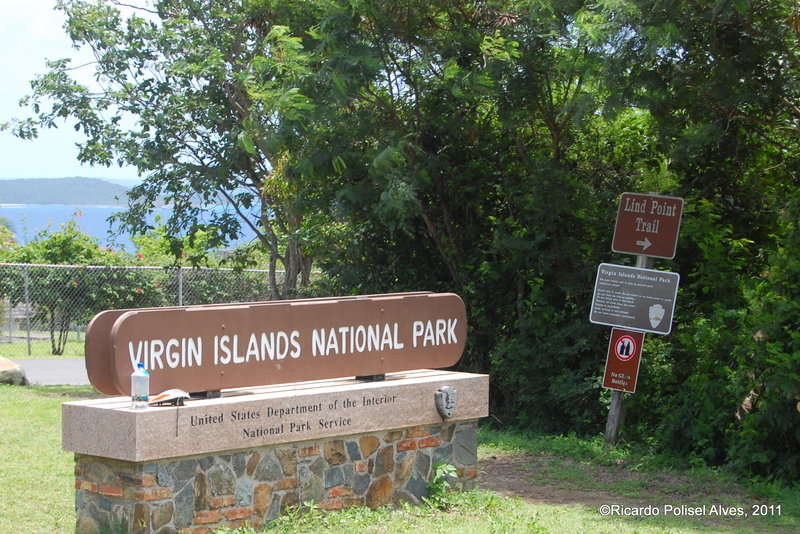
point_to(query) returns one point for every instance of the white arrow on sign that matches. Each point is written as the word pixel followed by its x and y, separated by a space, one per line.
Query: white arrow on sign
pixel 644 243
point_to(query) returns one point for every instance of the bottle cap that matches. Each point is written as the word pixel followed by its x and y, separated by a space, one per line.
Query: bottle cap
pixel 140 365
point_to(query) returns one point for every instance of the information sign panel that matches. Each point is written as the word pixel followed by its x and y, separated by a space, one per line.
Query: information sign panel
pixel 638 299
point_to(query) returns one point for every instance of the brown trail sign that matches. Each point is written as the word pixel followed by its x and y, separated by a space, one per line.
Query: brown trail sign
pixel 647 225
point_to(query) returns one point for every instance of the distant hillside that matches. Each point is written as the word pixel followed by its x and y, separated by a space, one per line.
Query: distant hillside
pixel 75 191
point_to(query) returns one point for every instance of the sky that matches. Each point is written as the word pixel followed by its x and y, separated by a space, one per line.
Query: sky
pixel 31 32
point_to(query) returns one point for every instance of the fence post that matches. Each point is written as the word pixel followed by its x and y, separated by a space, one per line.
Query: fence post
pixel 180 286
pixel 10 320
pixel 28 307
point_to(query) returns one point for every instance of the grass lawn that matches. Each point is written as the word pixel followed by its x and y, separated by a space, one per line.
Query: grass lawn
pixel 542 484
pixel 40 347
pixel 36 477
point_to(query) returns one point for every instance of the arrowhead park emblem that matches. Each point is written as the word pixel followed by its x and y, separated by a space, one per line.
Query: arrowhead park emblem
pixel 445 400
pixel 656 314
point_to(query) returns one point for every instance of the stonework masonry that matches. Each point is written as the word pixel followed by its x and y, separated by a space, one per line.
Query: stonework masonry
pixel 197 494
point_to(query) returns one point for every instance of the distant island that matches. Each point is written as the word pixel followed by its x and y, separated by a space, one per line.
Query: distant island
pixel 76 191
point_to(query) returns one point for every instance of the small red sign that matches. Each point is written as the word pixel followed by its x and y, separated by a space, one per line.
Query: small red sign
pixel 622 362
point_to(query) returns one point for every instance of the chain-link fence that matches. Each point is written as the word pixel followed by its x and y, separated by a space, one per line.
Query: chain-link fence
pixel 44 309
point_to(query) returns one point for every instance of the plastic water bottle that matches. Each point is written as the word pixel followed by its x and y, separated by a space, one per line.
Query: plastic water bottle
pixel 140 388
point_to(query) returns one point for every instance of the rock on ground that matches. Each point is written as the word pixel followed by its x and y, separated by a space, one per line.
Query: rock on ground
pixel 12 373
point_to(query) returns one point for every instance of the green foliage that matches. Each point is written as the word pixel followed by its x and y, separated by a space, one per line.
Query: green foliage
pixel 63 296
pixel 6 233
pixel 766 438
pixel 481 147
pixel 439 486
pixel 470 512
pixel 483 152
pixel 200 98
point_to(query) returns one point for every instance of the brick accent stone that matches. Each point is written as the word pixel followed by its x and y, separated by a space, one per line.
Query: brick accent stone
pixel 153 494
pixel 418 432
pixel 110 491
pixel 224 501
pixel 406 445
pixel 237 513
pixel 209 516
pixel 339 491
pixel 86 485
pixel 433 441
pixel 144 481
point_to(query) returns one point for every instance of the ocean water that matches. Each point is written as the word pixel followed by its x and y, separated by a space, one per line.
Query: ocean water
pixel 30 219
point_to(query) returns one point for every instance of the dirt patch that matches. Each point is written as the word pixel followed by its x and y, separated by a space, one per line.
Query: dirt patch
pixel 514 476
pixel 552 480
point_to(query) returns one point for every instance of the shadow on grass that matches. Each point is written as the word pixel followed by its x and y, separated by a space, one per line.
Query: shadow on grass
pixel 75 392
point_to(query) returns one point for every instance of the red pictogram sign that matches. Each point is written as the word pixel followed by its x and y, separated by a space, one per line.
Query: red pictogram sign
pixel 625 348
pixel 622 363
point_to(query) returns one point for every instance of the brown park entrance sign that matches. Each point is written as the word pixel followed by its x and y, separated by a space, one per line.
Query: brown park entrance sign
pixel 647 225
pixel 207 348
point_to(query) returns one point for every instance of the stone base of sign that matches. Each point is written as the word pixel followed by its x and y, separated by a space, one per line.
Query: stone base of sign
pixel 383 456
pixel 249 487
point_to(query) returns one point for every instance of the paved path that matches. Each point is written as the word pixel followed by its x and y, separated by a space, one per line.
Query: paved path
pixel 55 371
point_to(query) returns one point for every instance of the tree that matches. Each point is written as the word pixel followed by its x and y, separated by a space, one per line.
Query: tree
pixel 6 233
pixel 175 99
pixel 61 297
pixel 480 146
pixel 459 146
pixel 720 80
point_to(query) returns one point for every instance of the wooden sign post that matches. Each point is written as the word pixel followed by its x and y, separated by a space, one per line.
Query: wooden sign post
pixel 647 225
